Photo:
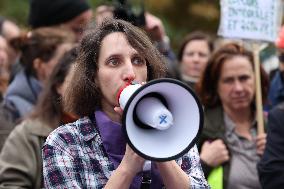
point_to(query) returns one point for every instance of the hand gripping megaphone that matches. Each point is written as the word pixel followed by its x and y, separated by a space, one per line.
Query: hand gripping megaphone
pixel 161 119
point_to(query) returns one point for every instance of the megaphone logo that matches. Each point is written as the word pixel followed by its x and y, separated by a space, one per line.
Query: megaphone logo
pixel 161 119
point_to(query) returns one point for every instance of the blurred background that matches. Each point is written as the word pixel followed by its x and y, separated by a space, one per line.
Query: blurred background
pixel 179 16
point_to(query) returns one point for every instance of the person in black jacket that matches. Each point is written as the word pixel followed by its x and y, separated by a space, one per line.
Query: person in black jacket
pixel 271 166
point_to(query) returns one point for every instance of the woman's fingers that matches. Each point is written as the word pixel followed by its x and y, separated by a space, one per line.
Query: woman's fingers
pixel 118 110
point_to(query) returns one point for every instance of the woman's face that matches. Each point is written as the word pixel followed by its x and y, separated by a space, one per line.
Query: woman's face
pixel 118 64
pixel 195 57
pixel 236 85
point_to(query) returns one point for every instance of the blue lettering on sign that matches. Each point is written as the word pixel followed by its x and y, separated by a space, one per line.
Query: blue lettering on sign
pixel 163 119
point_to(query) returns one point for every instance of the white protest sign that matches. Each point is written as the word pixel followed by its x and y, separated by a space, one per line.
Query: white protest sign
pixel 250 19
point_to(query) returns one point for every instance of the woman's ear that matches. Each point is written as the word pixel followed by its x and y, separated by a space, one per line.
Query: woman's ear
pixel 38 67
pixel 59 89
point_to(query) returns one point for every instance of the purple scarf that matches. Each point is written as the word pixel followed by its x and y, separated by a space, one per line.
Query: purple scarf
pixel 115 143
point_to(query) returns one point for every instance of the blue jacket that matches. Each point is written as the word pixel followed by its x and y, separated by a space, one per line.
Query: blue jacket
pixel 276 90
pixel 21 95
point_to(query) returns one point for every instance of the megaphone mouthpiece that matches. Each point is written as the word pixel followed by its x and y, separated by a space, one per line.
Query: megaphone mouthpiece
pixel 150 111
pixel 125 93
pixel 153 113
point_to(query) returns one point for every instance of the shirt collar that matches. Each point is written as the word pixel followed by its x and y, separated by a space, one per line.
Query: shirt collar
pixel 86 128
pixel 230 125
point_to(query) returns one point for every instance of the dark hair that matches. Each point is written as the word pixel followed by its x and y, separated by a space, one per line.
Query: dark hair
pixel 196 35
pixel 208 84
pixel 40 43
pixel 49 108
pixel 83 94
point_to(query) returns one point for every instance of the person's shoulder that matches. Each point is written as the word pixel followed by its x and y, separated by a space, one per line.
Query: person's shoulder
pixel 213 111
pixel 19 137
pixel 26 129
pixel 276 119
pixel 68 134
pixel 17 85
pixel 278 111
pixel 280 106
pixel 213 117
pixel 35 127
pixel 8 113
pixel 62 132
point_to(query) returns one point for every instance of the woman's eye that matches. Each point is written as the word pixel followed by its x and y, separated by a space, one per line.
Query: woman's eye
pixel 189 54
pixel 244 78
pixel 228 80
pixel 138 61
pixel 203 55
pixel 113 62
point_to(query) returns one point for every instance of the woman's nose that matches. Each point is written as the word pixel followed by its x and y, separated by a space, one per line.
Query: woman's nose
pixel 195 57
pixel 129 73
pixel 238 86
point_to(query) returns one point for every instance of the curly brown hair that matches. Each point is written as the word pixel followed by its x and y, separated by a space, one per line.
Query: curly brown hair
pixel 83 94
pixel 207 86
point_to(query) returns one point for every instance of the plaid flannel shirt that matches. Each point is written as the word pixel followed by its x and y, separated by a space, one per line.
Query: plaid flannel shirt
pixel 74 157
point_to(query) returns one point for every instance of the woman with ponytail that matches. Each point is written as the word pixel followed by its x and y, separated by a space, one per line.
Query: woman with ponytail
pixel 40 51
pixel 21 159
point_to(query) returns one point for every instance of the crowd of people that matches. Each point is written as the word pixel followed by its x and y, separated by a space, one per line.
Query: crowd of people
pixel 60 122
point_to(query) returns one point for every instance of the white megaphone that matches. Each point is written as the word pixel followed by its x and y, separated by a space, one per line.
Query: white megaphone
pixel 162 119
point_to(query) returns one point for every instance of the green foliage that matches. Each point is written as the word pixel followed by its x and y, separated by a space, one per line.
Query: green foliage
pixel 16 10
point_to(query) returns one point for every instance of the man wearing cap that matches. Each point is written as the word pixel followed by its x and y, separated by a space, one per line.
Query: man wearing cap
pixel 72 14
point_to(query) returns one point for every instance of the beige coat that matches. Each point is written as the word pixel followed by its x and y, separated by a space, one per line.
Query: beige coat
pixel 21 159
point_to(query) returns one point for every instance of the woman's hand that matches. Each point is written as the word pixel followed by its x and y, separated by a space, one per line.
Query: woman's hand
pixel 131 163
pixel 123 176
pixel 172 175
pixel 260 143
pixel 154 27
pixel 214 153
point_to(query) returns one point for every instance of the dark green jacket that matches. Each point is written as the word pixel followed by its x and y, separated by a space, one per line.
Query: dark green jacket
pixel 214 128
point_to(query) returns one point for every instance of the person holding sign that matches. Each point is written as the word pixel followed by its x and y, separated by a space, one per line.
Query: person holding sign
pixel 230 146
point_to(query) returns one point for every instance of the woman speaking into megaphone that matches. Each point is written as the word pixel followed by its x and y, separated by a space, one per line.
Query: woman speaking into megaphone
pixel 92 152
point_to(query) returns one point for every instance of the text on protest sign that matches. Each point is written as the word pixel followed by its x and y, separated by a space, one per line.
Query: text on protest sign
pixel 250 19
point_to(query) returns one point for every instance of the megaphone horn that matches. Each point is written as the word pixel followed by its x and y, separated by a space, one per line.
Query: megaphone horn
pixel 162 119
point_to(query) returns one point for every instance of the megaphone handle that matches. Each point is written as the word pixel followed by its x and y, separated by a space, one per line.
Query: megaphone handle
pixel 146 175
pixel 147 165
